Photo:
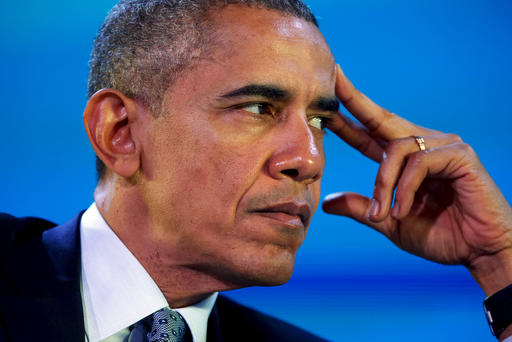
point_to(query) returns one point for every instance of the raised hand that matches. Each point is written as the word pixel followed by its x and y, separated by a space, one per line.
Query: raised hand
pixel 446 209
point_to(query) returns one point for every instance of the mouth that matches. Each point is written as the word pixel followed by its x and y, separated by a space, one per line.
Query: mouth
pixel 291 213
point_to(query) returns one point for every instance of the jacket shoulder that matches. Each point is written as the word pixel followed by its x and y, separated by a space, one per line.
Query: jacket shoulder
pixel 241 323
pixel 40 277
pixel 17 230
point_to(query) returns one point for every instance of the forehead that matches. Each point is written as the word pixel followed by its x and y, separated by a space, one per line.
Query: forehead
pixel 257 21
pixel 254 45
pixel 264 35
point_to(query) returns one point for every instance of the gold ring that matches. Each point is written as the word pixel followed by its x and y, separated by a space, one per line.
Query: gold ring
pixel 421 143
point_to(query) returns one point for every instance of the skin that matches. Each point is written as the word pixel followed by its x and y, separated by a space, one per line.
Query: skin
pixel 201 183
pixel 447 208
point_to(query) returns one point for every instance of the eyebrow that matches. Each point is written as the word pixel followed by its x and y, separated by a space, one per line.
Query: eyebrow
pixel 275 93
pixel 270 92
pixel 326 104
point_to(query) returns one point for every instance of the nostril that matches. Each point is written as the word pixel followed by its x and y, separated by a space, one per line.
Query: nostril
pixel 291 172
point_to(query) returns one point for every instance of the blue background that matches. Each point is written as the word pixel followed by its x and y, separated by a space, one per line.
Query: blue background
pixel 442 64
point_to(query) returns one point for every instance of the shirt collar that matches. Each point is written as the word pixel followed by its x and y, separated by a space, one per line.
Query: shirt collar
pixel 117 291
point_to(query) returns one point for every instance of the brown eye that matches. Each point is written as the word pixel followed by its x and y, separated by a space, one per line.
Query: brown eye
pixel 258 108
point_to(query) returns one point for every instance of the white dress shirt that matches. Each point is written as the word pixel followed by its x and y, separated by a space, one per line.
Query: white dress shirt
pixel 117 291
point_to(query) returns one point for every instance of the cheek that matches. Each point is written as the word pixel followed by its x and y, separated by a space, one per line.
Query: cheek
pixel 223 168
pixel 316 193
pixel 226 162
pixel 211 178
pixel 201 172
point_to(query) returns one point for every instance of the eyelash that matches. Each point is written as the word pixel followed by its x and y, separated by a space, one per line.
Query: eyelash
pixel 324 118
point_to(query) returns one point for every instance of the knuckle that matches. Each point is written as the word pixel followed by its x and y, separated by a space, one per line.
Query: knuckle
pixel 398 147
pixel 395 146
pixel 392 146
pixel 455 138
pixel 389 115
pixel 388 118
pixel 466 149
pixel 364 147
pixel 418 158
pixel 381 182
pixel 372 124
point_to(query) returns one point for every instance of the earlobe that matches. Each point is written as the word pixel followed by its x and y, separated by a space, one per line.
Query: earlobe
pixel 108 119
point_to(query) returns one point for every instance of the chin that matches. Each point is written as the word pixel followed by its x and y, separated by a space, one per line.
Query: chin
pixel 267 270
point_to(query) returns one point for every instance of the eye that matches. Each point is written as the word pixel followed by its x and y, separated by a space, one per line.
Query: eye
pixel 317 122
pixel 258 108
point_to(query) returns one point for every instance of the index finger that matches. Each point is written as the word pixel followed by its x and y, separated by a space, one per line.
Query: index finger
pixel 380 122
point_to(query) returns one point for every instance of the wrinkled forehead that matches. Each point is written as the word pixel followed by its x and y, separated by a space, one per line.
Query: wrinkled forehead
pixel 268 44
pixel 241 15
pixel 240 22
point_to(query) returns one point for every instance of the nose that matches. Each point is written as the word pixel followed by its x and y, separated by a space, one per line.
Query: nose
pixel 299 154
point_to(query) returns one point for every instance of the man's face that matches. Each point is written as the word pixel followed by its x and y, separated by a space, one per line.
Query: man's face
pixel 232 169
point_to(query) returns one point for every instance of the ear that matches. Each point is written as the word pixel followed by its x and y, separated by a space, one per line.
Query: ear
pixel 108 119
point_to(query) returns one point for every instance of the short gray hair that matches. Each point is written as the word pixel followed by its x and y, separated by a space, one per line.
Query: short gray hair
pixel 144 45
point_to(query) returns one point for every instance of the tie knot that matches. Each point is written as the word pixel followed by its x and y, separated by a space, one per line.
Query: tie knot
pixel 168 326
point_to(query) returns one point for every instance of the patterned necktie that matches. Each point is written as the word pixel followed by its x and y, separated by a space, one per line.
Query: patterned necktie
pixel 165 325
pixel 168 326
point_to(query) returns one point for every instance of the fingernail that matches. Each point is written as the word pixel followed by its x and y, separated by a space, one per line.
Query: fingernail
pixel 338 67
pixel 374 207
pixel 395 210
pixel 332 196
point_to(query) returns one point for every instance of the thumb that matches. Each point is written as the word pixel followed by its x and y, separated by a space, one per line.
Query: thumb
pixel 355 206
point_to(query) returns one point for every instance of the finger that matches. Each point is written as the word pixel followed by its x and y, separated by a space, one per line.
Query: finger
pixel 355 206
pixel 379 121
pixel 441 162
pixel 393 162
pixel 354 134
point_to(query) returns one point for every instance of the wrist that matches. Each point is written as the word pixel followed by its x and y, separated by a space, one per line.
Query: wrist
pixel 506 333
pixel 492 272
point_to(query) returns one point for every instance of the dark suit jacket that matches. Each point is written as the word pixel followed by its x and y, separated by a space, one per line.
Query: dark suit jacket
pixel 40 297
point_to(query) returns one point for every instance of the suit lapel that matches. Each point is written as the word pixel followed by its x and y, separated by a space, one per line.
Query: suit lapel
pixel 214 333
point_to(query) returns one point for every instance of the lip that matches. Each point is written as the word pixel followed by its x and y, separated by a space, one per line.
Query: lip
pixel 293 213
